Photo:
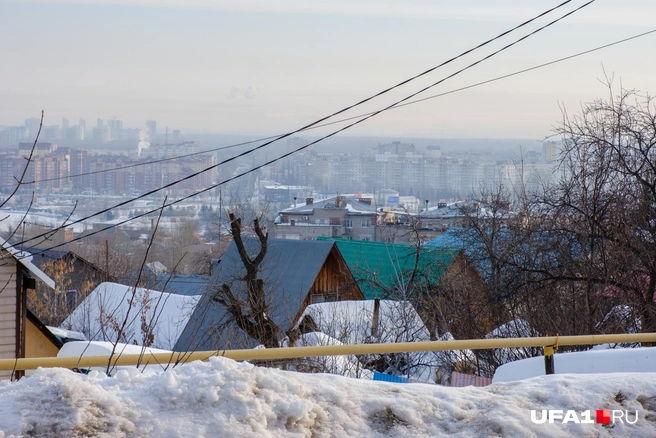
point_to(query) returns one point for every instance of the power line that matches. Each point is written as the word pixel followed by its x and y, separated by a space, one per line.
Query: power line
pixel 380 93
pixel 45 235
pixel 412 102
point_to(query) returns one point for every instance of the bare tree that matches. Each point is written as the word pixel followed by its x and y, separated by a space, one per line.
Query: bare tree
pixel 250 313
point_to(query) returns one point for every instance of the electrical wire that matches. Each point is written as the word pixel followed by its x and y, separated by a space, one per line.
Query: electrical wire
pixel 434 96
pixel 380 93
pixel 50 233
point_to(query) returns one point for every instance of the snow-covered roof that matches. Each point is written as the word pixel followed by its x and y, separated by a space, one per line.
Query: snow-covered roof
pixel 67 334
pixel 347 365
pixel 102 313
pixel 25 259
pixel 352 322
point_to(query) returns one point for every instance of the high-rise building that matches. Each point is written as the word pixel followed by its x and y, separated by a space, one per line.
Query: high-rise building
pixel 99 123
pixel 151 126
pixel 64 128
pixel 32 126
pixel 115 124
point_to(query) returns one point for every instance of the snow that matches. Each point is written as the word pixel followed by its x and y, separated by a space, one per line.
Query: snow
pixel 103 312
pixel 230 399
pixel 619 360
pixel 348 366
pixel 69 334
pixel 352 322
pixel 100 348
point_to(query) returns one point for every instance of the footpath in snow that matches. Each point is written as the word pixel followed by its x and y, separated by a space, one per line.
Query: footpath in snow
pixel 224 398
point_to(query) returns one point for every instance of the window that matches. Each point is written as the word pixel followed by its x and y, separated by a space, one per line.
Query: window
pixel 320 298
pixel 366 238
pixel 366 223
pixel 348 223
pixel 71 299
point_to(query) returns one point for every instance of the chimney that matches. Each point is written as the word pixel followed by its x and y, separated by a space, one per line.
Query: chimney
pixel 214 266
pixel 309 201
pixel 292 222
pixel 341 202
pixel 294 201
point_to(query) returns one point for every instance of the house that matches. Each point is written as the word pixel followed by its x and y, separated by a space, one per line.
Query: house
pixel 440 282
pixel 75 278
pixel 116 312
pixel 21 333
pixel 295 274
pixel 353 217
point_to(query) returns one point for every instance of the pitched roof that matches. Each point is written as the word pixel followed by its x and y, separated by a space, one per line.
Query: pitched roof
pixel 25 259
pixel 351 203
pixel 289 271
pixel 165 314
pixel 48 255
pixel 381 267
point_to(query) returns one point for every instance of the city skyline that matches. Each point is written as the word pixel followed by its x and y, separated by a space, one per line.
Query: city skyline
pixel 199 65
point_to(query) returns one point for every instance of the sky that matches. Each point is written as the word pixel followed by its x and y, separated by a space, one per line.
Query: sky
pixel 261 67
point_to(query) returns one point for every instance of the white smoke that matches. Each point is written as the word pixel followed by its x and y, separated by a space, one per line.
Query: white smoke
pixel 144 141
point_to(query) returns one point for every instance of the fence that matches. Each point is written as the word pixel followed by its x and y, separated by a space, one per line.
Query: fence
pixel 549 343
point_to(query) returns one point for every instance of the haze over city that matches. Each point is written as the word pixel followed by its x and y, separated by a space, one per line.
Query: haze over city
pixel 257 67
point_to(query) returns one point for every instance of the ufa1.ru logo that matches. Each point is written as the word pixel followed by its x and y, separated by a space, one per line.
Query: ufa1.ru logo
pixel 599 416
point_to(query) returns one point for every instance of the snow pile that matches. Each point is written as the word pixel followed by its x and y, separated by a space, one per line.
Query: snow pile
pixel 151 317
pixel 230 399
pixel 618 360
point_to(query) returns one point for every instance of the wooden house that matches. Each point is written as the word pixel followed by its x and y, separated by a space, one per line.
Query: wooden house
pixel 295 273
pixel 441 282
pixel 21 334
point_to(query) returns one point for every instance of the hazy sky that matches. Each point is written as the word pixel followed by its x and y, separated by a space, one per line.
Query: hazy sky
pixel 268 66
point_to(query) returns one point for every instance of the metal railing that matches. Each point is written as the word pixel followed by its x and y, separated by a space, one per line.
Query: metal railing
pixel 549 343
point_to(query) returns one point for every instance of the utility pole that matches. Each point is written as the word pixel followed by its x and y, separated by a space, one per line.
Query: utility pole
pixel 107 259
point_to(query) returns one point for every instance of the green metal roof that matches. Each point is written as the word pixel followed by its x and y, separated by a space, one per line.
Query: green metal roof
pixel 383 269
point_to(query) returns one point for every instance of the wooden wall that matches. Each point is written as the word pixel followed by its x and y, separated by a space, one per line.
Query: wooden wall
pixel 8 309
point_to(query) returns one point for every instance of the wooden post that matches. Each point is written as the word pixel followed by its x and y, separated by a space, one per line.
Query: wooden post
pixel 549 360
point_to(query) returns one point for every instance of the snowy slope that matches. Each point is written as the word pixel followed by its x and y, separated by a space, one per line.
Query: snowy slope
pixel 224 398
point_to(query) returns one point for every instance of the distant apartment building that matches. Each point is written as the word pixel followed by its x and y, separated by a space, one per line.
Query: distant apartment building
pixel 41 149
pixel 151 128
pixel 11 167
pixel 12 135
pixel 341 216
pixel 286 194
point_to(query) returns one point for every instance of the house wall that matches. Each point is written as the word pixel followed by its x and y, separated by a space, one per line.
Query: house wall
pixel 326 222
pixel 37 344
pixel 8 308
pixel 333 283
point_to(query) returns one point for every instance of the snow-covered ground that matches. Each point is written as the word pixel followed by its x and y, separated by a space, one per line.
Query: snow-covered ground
pixel 224 398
